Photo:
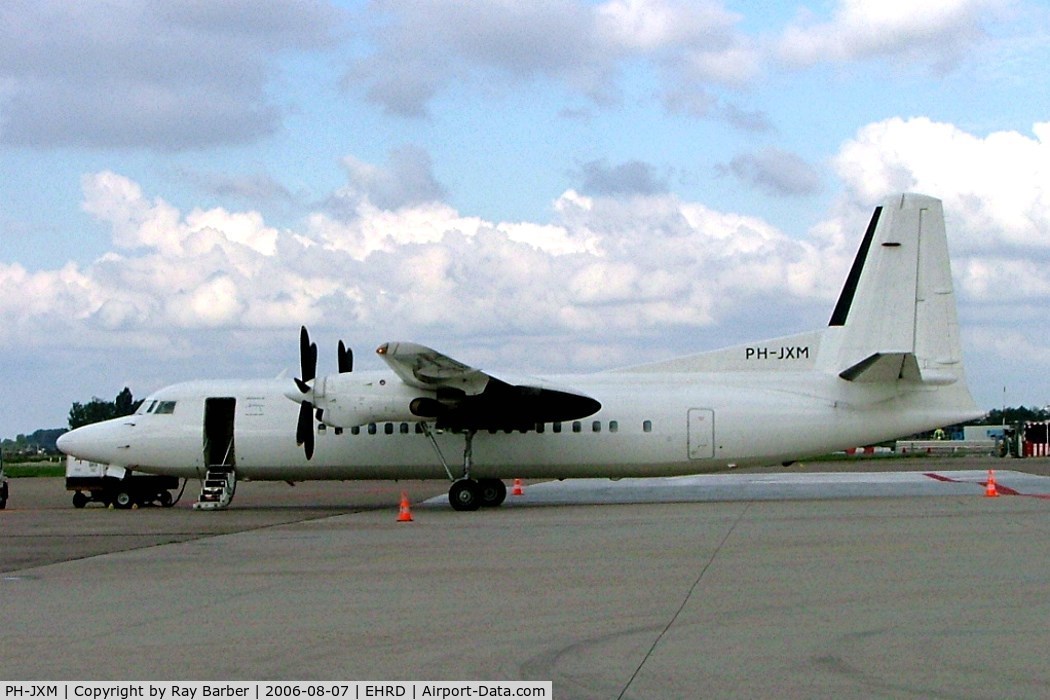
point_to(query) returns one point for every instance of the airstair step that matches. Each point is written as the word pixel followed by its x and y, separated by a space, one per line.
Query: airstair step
pixel 217 489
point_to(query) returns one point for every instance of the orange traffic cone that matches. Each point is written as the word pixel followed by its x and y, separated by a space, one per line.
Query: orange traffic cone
pixel 405 514
pixel 518 491
pixel 989 489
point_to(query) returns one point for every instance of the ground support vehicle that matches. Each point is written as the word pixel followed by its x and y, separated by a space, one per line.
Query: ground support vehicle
pixel 116 486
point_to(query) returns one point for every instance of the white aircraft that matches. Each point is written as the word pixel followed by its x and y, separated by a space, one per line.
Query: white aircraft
pixel 888 364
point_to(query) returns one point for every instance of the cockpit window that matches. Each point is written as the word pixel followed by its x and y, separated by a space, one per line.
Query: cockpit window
pixel 146 407
pixel 165 407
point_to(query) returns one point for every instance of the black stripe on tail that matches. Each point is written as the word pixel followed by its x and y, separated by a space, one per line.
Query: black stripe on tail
pixel 838 317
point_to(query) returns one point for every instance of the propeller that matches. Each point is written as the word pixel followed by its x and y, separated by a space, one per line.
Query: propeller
pixel 346 359
pixel 307 361
pixel 304 429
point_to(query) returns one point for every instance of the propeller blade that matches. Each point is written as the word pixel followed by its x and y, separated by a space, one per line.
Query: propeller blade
pixel 307 356
pixel 346 359
pixel 304 430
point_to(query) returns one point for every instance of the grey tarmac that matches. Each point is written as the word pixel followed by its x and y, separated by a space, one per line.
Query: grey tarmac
pixel 891 593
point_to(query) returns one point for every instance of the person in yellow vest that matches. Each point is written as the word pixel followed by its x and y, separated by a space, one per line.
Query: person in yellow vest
pixel 938 434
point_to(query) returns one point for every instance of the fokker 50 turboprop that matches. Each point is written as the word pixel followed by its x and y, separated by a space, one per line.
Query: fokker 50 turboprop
pixel 888 364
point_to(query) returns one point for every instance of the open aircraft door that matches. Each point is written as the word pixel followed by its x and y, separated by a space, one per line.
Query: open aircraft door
pixel 218 432
pixel 701 433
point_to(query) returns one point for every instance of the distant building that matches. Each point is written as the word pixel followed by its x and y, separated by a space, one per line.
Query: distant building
pixel 982 432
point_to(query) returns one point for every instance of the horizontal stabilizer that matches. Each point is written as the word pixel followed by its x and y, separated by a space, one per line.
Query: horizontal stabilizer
pixel 883 367
pixel 891 366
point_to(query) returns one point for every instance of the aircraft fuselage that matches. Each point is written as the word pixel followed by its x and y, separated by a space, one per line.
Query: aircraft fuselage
pixel 649 425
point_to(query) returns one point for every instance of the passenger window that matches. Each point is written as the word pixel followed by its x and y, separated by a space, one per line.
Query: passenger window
pixel 613 426
pixel 356 430
pixel 540 427
pixel 388 428
pixel 596 426
pixel 577 426
pixel 404 428
pixel 647 426
pixel 419 428
pixel 556 427
pixel 372 429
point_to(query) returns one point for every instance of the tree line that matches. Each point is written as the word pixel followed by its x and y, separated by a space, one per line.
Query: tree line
pixel 96 410
pixel 1014 416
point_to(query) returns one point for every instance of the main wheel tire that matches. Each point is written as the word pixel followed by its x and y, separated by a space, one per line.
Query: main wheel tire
pixel 493 492
pixel 166 500
pixel 465 495
pixel 79 499
pixel 123 500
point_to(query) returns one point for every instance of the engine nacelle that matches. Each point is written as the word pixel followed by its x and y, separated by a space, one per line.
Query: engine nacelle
pixel 353 399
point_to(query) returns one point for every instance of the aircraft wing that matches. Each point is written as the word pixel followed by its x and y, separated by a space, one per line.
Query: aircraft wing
pixel 470 399
pixel 423 368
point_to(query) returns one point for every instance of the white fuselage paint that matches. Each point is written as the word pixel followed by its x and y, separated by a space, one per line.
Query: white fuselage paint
pixel 696 423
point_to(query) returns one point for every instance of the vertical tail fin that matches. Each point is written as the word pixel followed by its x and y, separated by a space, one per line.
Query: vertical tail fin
pixel 895 318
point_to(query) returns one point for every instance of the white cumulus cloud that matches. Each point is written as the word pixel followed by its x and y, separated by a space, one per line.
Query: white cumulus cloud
pixel 994 186
pixel 937 32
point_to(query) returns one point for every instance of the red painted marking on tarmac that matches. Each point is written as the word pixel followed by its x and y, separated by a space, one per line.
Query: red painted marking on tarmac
pixel 1003 490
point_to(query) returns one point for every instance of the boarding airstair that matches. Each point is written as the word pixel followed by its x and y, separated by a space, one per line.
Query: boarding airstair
pixel 220 483
pixel 220 480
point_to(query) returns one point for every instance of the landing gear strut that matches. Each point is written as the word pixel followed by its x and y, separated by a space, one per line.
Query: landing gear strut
pixel 467 494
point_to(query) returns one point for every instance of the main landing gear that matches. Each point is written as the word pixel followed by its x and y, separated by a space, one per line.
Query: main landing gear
pixel 467 493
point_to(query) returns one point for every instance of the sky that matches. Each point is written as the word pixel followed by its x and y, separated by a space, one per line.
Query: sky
pixel 544 187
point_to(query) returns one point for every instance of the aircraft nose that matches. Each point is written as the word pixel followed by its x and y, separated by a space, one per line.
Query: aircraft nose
pixel 67 442
pixel 80 441
pixel 98 442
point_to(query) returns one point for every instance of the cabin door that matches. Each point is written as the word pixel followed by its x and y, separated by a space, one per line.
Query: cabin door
pixel 218 432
